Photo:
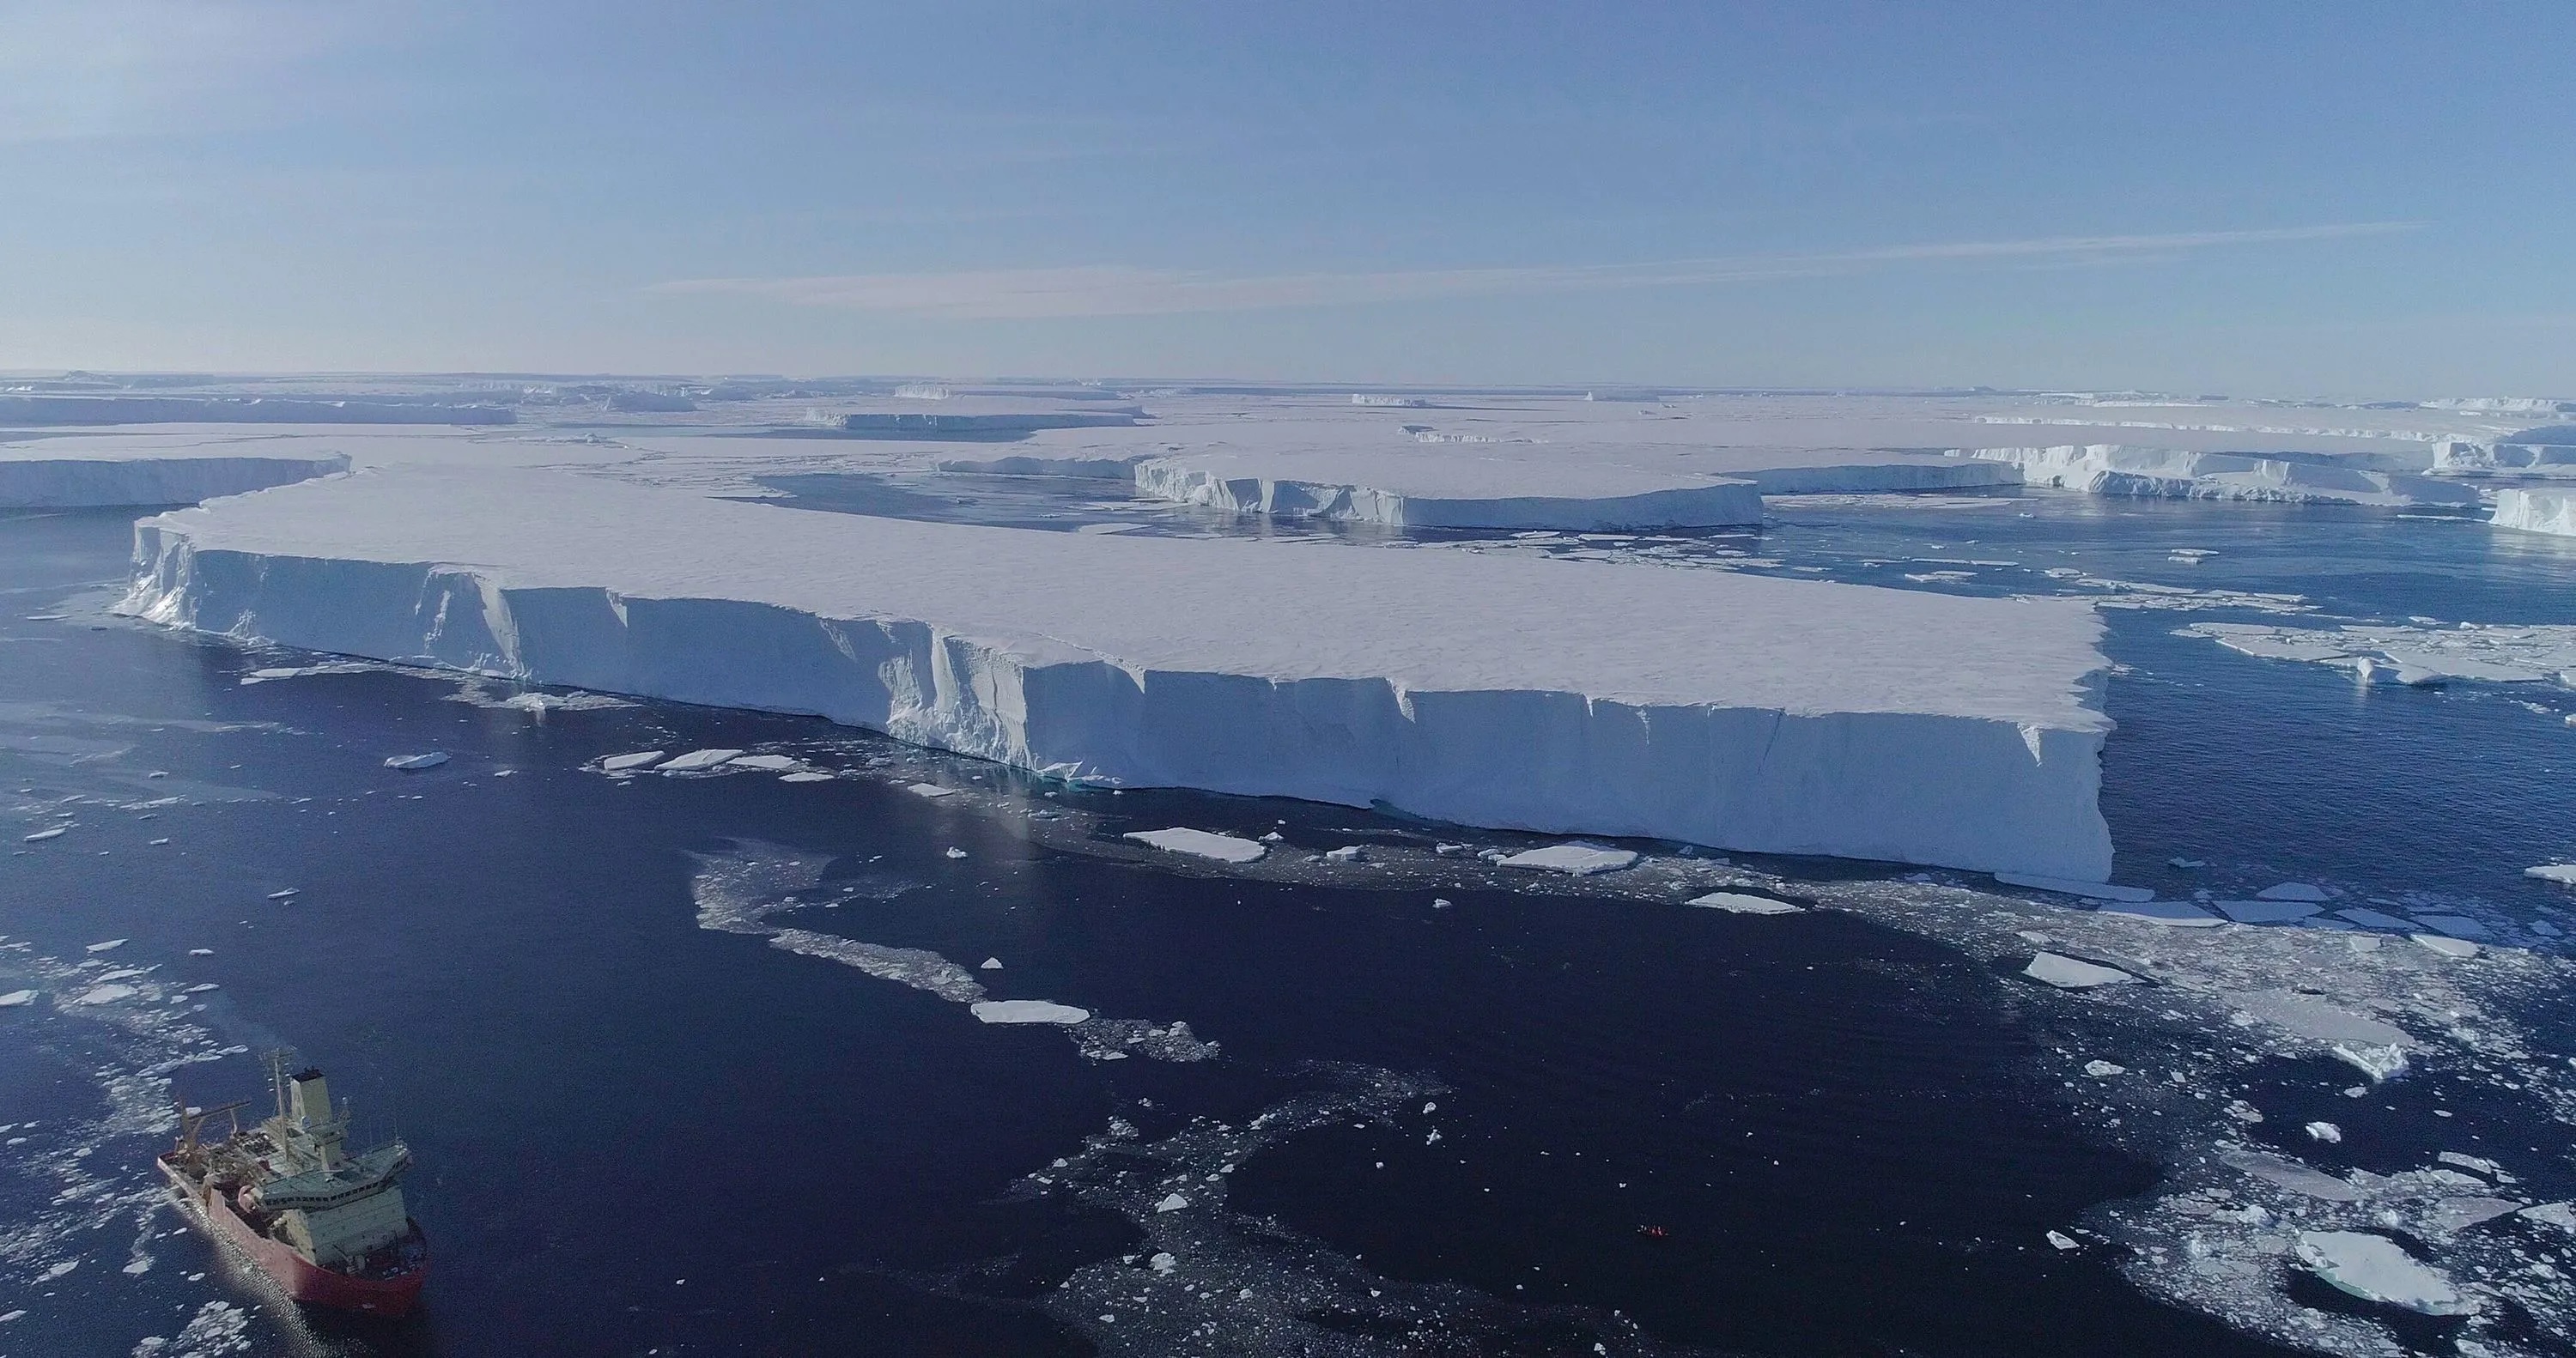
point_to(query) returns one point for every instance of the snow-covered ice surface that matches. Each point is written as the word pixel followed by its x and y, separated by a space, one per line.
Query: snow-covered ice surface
pixel 1202 844
pixel 1803 717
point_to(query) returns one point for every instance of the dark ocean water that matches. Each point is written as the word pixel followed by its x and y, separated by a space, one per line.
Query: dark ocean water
pixel 636 1135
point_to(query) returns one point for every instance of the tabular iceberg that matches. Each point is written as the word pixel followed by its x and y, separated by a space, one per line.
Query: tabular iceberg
pixel 2170 473
pixel 1745 712
pixel 1443 489
pixel 32 479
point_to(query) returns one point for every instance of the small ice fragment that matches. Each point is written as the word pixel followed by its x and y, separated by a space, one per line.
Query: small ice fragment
pixel 2067 973
pixel 159 842
pixel 2188 863
pixel 805 776
pixel 618 762
pixel 2169 913
pixel 1440 902
pixel 202 987
pixel 2265 912
pixel 2103 1070
pixel 955 852
pixel 6 1317
pixel 2326 1132
pixel 201 952
pixel 414 763
pixel 104 994
pixel 109 946
pixel 1162 1263
pixel 1201 844
pixel 1448 850
pixel 2368 918
pixel 2067 886
pixel 42 835
pixel 58 1270
pixel 2448 947
pixel 1173 1203
pixel 696 760
pixel 2291 891
pixel 2379 1063
pixel 2562 873
pixel 990 964
pixel 1274 837
pixel 1027 1011
pixel 281 895
pixel 1348 853
pixel 1741 903
pixel 2376 1268
pixel 2062 1240
pixel 16 998
pixel 931 791
pixel 1575 857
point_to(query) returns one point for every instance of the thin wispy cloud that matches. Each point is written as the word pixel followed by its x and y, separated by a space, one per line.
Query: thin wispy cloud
pixel 1123 290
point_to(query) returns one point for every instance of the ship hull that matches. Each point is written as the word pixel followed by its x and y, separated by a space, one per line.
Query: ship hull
pixel 301 1279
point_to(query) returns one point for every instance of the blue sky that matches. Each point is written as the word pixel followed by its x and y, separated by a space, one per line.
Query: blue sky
pixel 2278 198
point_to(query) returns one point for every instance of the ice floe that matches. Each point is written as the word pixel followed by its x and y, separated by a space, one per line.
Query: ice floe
pixel 1578 860
pixel 619 763
pixel 2068 973
pixel 2097 891
pixel 16 998
pixel 1741 903
pixel 1028 1011
pixel 2376 1268
pixel 697 761
pixel 1201 844
pixel 414 763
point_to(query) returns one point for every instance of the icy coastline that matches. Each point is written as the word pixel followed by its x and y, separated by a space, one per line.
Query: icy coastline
pixel 1731 710
pixel 32 479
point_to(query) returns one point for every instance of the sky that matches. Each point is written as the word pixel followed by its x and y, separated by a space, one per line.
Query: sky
pixel 2277 198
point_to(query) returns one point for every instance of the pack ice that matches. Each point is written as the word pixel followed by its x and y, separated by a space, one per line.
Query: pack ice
pixel 1775 715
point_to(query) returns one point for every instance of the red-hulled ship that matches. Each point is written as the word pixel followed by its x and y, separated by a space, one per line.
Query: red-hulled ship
pixel 327 1226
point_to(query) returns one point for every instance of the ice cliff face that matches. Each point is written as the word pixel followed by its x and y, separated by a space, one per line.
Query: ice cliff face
pixel 2122 469
pixel 1709 504
pixel 2537 511
pixel 1736 711
pixel 39 482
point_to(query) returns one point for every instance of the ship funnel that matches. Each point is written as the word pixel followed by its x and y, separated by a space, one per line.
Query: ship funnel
pixel 308 1098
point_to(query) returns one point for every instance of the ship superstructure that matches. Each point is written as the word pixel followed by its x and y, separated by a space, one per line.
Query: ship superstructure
pixel 327 1225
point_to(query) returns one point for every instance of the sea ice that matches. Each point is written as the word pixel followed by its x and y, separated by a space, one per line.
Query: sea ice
pixel 2062 1241
pixel 2324 1131
pixel 1348 853
pixel 1028 1011
pixel 2095 891
pixel 1739 903
pixel 104 994
pixel 414 763
pixel 2376 1268
pixel 1201 844
pixel 42 835
pixel 15 998
pixel 806 776
pixel 616 763
pixel 1338 673
pixel 2067 973
pixel 2446 946
pixel 1580 860
pixel 110 945
pixel 930 791
pixel 2561 873
pixel 2103 1070
pixel 2291 891
pixel 697 760
pixel 990 964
